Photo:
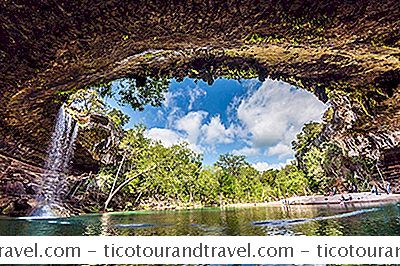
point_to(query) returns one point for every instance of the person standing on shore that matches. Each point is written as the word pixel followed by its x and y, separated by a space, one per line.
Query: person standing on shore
pixel 388 188
pixel 355 188
pixel 374 190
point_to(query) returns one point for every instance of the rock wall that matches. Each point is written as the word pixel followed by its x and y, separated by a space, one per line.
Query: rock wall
pixel 21 186
pixel 391 166
pixel 48 48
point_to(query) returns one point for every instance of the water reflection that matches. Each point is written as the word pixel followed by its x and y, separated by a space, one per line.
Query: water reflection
pixel 306 220
pixel 297 220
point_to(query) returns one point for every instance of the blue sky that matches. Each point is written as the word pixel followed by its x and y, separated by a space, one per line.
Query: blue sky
pixel 251 118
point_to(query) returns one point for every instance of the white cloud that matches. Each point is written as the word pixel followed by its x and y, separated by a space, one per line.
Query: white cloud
pixel 247 151
pixel 191 124
pixel 281 150
pixel 160 114
pixel 171 108
pixel 186 129
pixel 167 98
pixel 215 132
pixel 263 166
pixel 231 110
pixel 195 94
pixel 265 121
pixel 170 98
pixel 275 113
pixel 166 136
pixel 173 115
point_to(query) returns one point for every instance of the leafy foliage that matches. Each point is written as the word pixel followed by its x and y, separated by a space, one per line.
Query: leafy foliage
pixel 85 102
pixel 118 117
pixel 140 91
pixel 162 176
pixel 134 91
pixel 149 174
pixel 325 164
pixel 306 139
pixel 177 177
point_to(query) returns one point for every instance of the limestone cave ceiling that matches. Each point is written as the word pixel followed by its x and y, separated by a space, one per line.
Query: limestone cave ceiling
pixel 327 47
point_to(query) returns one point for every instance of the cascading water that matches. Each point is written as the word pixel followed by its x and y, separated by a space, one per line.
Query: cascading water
pixel 59 155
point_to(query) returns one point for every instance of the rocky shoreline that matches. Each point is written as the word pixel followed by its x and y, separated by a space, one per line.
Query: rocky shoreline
pixel 346 198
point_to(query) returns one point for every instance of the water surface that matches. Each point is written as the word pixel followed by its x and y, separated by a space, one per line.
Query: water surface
pixel 297 220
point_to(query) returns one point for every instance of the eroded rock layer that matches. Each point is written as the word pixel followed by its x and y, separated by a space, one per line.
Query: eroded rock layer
pixel 391 164
pixel 22 183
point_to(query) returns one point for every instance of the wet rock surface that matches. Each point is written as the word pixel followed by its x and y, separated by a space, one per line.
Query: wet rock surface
pixel 21 184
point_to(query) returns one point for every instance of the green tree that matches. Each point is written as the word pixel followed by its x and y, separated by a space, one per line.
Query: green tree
pixel 136 91
pixel 314 164
pixel 140 91
pixel 290 181
pixel 250 187
pixel 156 174
pixel 208 186
pixel 325 164
pixel 306 139
pixel 229 166
pixel 268 180
pixel 86 102
pixel 118 117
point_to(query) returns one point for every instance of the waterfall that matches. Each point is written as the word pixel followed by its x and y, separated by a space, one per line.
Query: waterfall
pixel 62 143
pixel 60 153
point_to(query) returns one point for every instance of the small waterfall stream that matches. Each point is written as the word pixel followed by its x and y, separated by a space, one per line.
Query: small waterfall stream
pixel 60 153
pixel 62 142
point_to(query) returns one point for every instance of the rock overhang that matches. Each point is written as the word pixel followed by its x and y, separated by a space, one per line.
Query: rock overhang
pixel 66 46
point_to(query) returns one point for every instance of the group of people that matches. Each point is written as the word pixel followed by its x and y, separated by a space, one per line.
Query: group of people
pixel 388 189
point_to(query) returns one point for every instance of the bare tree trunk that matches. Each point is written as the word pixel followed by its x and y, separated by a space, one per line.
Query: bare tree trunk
pixel 114 183
pixel 113 193
pixel 138 197
pixel 383 180
pixel 116 176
